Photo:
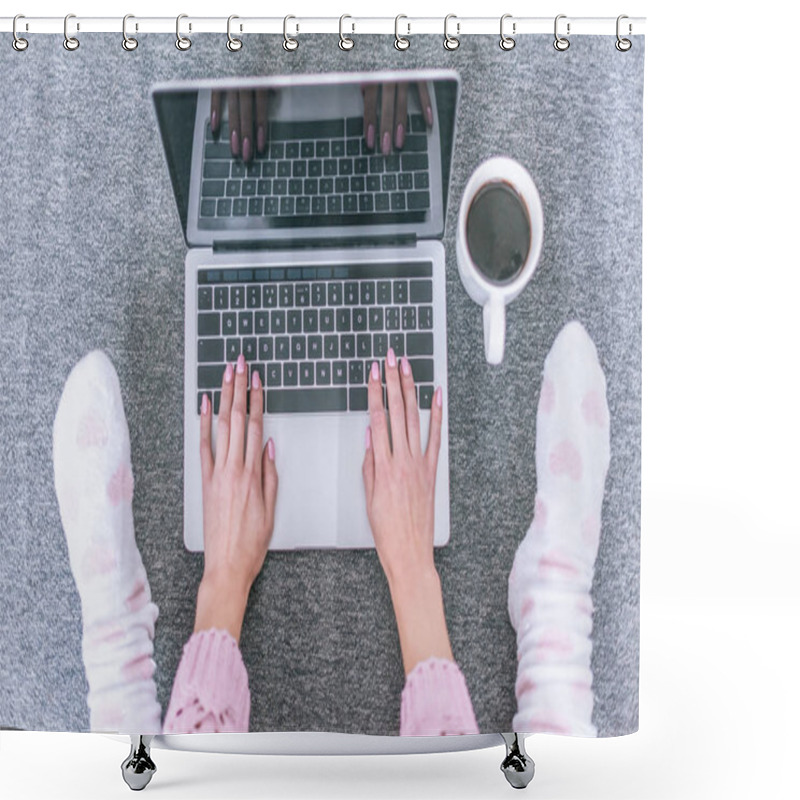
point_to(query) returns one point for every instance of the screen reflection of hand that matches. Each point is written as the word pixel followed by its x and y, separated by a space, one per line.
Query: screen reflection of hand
pixel 385 112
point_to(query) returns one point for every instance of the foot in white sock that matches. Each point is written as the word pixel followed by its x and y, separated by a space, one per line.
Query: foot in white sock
pixel 549 600
pixel 94 486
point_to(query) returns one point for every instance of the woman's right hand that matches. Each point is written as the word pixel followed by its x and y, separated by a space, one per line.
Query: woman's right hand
pixel 399 482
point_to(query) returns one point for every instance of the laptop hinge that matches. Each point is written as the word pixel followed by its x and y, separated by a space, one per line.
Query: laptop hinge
pixel 374 241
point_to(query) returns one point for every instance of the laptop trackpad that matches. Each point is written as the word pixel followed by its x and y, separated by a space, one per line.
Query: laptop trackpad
pixel 321 500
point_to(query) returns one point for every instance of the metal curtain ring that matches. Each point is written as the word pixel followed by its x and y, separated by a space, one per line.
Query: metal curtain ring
pixel 128 43
pixel 451 42
pixel 400 42
pixel 561 43
pixel 70 42
pixel 181 42
pixel 507 42
pixel 345 42
pixel 233 44
pixel 289 42
pixel 19 44
pixel 623 45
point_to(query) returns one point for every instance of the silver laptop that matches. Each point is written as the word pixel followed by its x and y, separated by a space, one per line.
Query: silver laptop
pixel 311 256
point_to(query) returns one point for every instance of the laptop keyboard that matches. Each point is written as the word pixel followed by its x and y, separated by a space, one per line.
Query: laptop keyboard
pixel 312 333
pixel 315 174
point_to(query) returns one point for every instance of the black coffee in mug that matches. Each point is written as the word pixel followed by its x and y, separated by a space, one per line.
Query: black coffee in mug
pixel 498 232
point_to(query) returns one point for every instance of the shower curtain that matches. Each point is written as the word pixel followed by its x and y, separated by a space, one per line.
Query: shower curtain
pixel 106 199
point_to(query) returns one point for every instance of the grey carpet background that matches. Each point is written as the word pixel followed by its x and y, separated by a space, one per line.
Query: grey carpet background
pixel 91 254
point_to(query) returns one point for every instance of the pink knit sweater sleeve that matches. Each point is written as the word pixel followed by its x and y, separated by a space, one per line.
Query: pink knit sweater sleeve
pixel 436 701
pixel 210 693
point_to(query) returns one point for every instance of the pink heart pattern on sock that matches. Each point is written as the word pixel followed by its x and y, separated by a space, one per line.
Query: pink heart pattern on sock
pixel 120 486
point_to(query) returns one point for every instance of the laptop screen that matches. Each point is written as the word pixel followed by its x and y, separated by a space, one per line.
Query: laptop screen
pixel 288 160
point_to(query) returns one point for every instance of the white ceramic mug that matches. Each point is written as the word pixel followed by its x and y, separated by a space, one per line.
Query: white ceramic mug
pixel 493 295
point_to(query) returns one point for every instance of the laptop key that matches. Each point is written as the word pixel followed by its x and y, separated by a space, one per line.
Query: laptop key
pixel 259 368
pixel 359 319
pixel 400 290
pixel 418 201
pixel 380 345
pixel 208 208
pixel 213 189
pixel 317 204
pixel 425 396
pixel 240 207
pixel 282 348
pixel 216 169
pixel 348 345
pixel 397 343
pixel 337 148
pixel 339 372
pixel 294 320
pixel 315 347
pixel 419 344
pixel 229 323
pixel 384 292
pixel 331 346
pixel 356 372
pixel 425 317
pixel 350 203
pixel 302 294
pixel 420 291
pixel 326 320
pixel 233 347
pixel 307 373
pixel 271 206
pixel 392 318
pixel 237 297
pixel 210 377
pixel 298 348
pixel 205 298
pixel 376 319
pixel 409 318
pixel 224 207
pixel 270 296
pixel 364 345
pixel 254 207
pixel 210 350
pixel 290 374
pixel 265 348
pixel 278 321
pixel 367 292
pixel 323 373
pixel 359 400
pixel 250 348
pixel 310 320
pixel 220 297
pixel 245 323
pixel 274 374
pixel 306 400
pixel 422 369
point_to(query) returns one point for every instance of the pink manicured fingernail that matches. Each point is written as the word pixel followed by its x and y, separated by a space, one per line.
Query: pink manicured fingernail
pixel 398 137
pixel 204 405
pixel 235 142
pixel 439 397
pixel 228 373
pixel 375 372
pixel 406 367
pixel 429 115
pixel 371 136
pixel 386 144
pixel 271 449
pixel 262 138
pixel 391 358
pixel 240 364
pixel 247 148
pixel 256 379
pixel 368 438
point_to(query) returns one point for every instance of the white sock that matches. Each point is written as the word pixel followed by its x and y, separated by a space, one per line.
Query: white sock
pixel 94 486
pixel 549 588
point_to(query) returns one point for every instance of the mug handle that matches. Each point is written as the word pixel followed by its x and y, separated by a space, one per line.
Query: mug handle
pixel 494 329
